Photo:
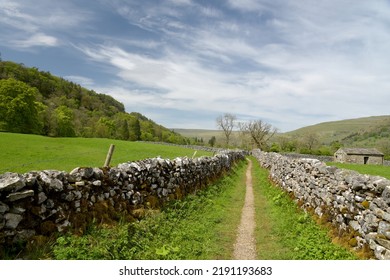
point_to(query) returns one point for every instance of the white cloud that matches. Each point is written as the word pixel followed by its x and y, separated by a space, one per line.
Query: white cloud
pixel 304 71
pixel 293 63
pixel 38 39
pixel 84 81
pixel 181 2
pixel 246 5
pixel 25 26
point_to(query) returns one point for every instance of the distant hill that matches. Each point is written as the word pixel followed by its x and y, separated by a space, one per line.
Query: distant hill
pixel 323 138
pixel 37 102
pixel 348 131
pixel 326 137
pixel 206 134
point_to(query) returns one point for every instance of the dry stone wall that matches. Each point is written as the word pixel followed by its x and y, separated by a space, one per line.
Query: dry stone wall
pixel 40 203
pixel 353 202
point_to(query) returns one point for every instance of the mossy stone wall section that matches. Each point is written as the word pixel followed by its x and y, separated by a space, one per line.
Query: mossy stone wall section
pixel 40 203
pixel 354 203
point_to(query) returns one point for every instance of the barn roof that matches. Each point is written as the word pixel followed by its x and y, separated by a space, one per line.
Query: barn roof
pixel 361 151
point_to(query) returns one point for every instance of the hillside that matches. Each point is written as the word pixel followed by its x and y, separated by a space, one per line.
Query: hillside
pixel 347 131
pixel 360 132
pixel 37 102
pixel 323 138
pixel 204 135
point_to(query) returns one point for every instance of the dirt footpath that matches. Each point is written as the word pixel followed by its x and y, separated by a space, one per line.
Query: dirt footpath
pixel 245 246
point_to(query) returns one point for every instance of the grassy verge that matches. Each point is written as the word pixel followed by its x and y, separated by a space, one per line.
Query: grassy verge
pixel 379 170
pixel 197 227
pixel 284 231
pixel 26 152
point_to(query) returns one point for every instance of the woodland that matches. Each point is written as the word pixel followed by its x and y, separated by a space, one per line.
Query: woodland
pixel 37 102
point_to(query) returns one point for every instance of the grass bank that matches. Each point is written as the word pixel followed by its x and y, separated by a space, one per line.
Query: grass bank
pixel 284 231
pixel 201 226
pixel 379 170
pixel 25 152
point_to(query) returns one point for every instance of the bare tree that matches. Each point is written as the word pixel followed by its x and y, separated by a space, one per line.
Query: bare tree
pixel 310 141
pixel 259 132
pixel 226 123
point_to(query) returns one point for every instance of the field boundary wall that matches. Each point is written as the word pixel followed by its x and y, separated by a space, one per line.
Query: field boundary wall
pixel 354 203
pixel 40 203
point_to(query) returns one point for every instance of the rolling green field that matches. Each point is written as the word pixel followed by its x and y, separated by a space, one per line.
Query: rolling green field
pixel 378 170
pixel 24 152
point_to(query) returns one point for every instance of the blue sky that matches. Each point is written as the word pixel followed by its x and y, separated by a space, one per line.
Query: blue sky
pixel 183 63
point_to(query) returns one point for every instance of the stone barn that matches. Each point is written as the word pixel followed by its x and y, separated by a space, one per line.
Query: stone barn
pixel 359 156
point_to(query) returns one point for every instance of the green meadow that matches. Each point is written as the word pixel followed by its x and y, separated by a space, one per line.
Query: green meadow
pixel 25 152
pixel 377 170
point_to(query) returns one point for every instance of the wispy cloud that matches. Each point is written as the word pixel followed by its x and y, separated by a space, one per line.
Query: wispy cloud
pixel 28 26
pixel 35 40
pixel 296 58
pixel 292 63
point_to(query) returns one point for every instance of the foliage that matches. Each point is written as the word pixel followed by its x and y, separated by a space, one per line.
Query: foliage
pixel 36 102
pixel 187 229
pixel 212 141
pixel 20 107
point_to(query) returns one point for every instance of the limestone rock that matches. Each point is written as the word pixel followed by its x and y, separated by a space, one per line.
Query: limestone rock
pixel 12 220
pixel 3 208
pixel 48 178
pixel 386 194
pixel 11 182
pixel 42 197
pixel 20 195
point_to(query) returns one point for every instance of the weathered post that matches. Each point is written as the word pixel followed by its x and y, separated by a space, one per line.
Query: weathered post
pixel 109 155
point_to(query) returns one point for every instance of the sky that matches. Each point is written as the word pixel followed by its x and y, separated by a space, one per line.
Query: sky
pixel 183 63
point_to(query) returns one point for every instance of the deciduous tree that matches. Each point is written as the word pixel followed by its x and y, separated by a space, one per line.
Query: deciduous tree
pixel 258 131
pixel 226 123
pixel 20 110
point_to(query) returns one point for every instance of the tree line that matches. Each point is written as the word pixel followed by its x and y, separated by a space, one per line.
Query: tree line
pixel 253 133
pixel 262 135
pixel 37 102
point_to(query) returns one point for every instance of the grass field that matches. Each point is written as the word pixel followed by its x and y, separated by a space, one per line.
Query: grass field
pixel 24 152
pixel 378 170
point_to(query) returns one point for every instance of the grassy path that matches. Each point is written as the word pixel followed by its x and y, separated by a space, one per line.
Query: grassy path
pixel 284 231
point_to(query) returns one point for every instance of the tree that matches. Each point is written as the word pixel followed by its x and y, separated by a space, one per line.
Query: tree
pixel 212 141
pixel 310 141
pixel 125 133
pixel 135 130
pixel 64 118
pixel 259 132
pixel 20 110
pixel 226 123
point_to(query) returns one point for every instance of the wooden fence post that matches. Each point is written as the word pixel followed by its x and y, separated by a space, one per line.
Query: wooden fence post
pixel 109 155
